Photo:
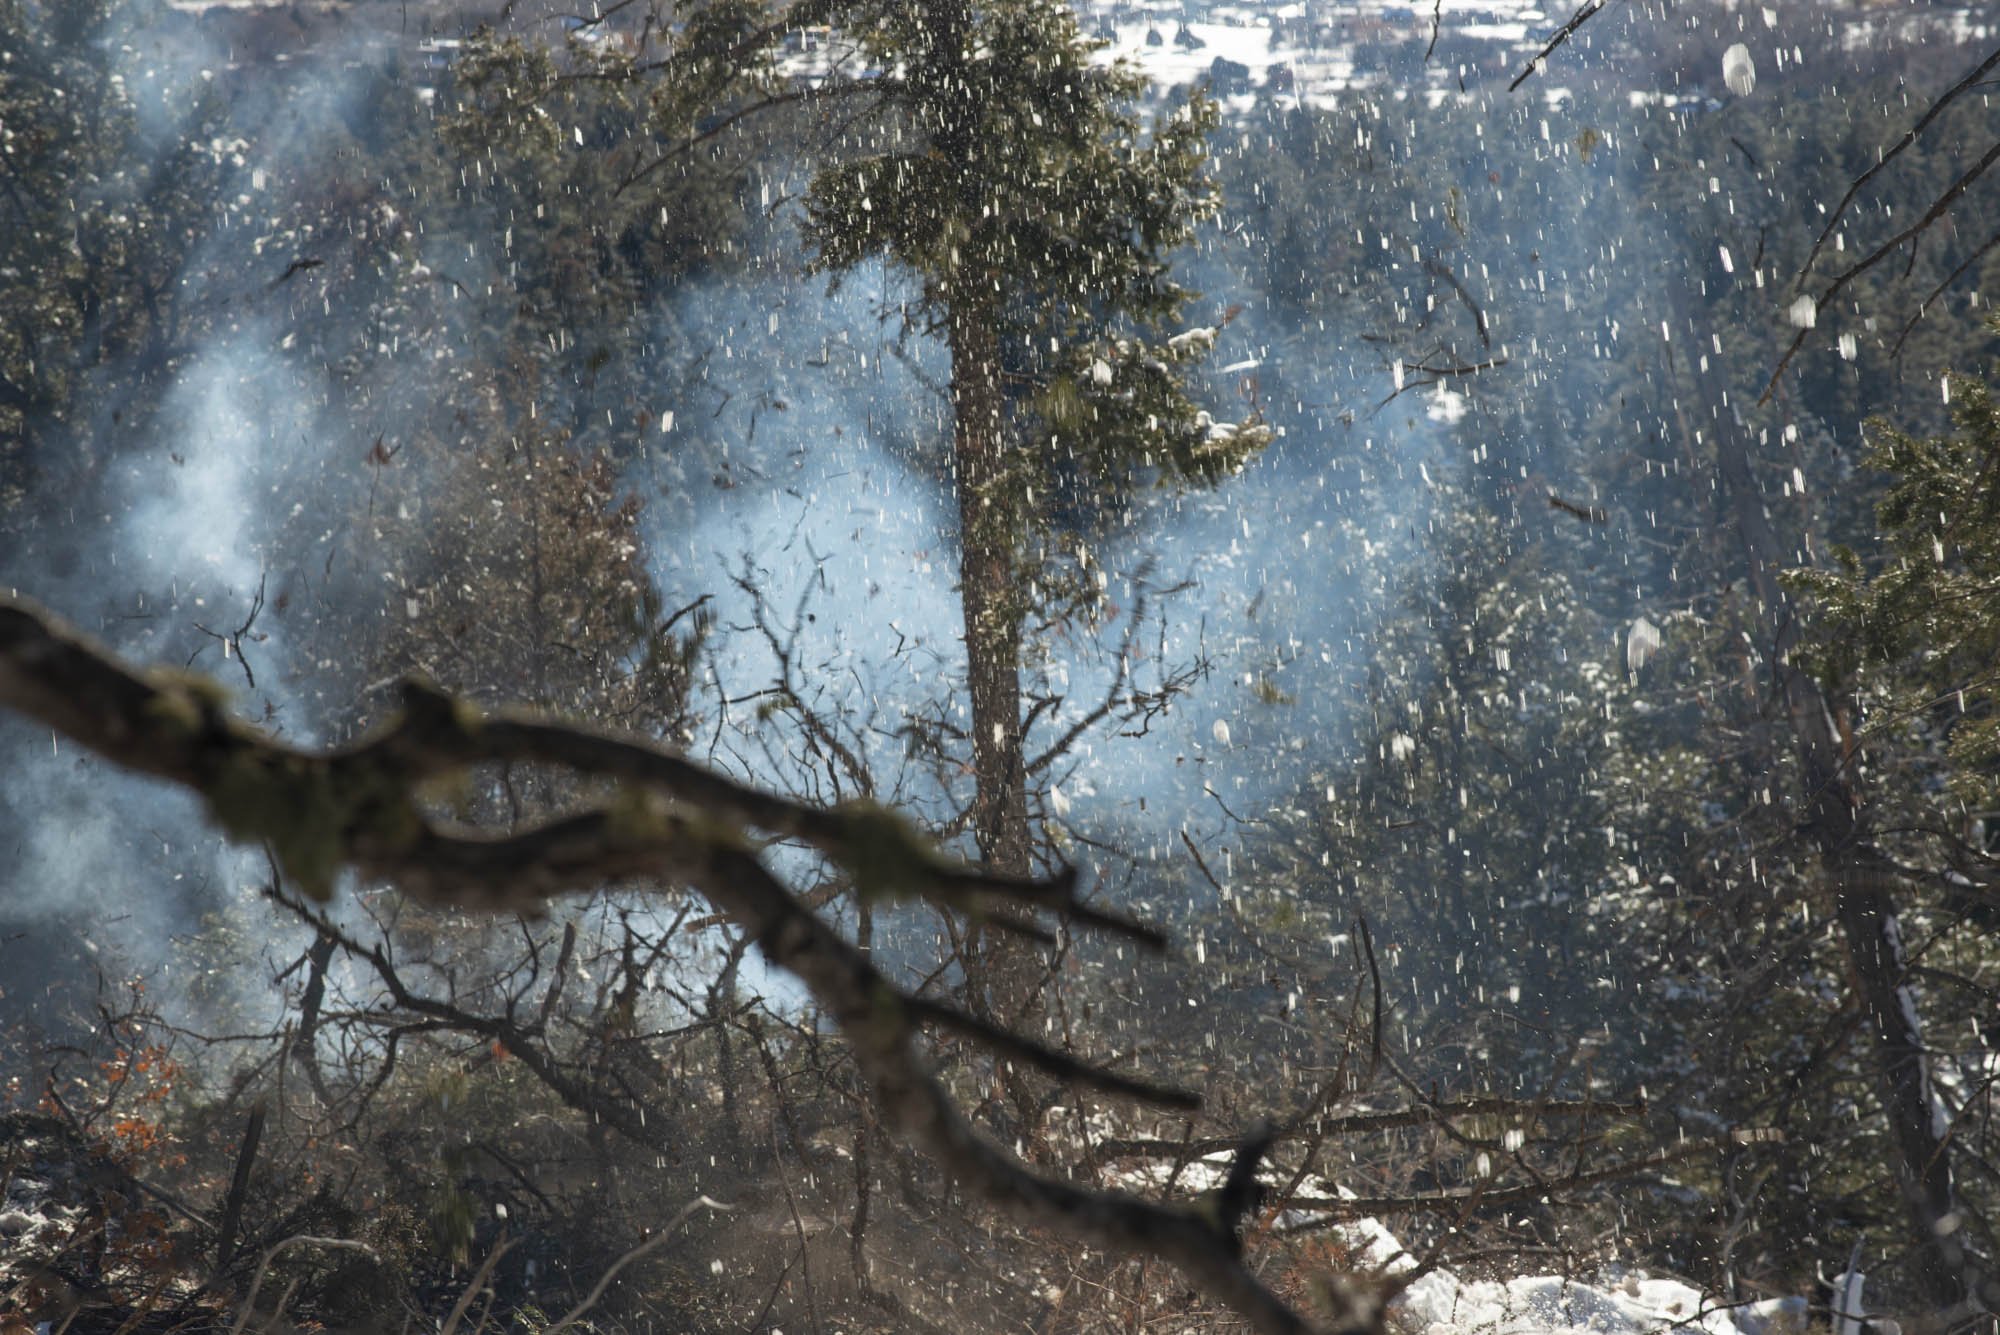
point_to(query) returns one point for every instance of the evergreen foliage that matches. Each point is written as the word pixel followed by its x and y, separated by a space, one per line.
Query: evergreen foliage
pixel 1011 174
pixel 1917 620
pixel 100 211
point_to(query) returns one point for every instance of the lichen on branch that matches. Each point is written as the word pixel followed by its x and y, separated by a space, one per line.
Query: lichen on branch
pixel 361 808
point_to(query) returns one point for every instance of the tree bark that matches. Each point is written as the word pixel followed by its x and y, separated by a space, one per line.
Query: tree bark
pixel 989 598
pixel 1004 971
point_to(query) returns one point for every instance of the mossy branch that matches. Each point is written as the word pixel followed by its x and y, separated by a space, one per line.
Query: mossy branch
pixel 359 808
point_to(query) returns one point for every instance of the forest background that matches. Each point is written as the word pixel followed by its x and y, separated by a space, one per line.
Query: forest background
pixel 1559 742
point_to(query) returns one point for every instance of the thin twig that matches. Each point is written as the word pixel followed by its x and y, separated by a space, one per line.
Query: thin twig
pixel 1058 1064
pixel 1924 306
pixel 474 1285
pixel 638 1253
pixel 271 1253
pixel 1584 13
pixel 1909 137
pixel 1938 208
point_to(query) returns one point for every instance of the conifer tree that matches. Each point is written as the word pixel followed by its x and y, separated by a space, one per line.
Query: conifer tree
pixel 1010 175
pixel 1905 643
pixel 986 153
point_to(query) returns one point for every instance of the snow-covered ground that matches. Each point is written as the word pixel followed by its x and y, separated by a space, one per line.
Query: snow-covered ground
pixel 1439 1302
pixel 1631 1303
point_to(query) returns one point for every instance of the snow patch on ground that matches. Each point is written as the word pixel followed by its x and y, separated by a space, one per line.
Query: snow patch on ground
pixel 1631 1304
pixel 1439 1302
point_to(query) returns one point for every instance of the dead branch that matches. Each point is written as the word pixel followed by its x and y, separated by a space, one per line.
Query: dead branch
pixel 1388 1120
pixel 271 1254
pixel 1584 13
pixel 638 1253
pixel 239 1185
pixel 475 1284
pixel 358 805
pixel 1589 514
pixel 1860 182
pixel 1461 1201
pixel 1939 207
pixel 357 808
pixel 1057 1064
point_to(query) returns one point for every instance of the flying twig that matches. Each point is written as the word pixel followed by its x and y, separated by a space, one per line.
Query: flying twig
pixel 1375 982
pixel 1585 12
pixel 304 264
pixel 1439 269
pixel 1463 368
pixel 232 641
pixel 1589 514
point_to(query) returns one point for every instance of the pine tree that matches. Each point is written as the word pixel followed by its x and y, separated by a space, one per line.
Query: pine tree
pixel 1909 635
pixel 993 159
pixel 1009 174
pixel 1920 625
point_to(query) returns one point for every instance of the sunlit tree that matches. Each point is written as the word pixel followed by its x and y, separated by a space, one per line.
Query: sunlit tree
pixel 1010 174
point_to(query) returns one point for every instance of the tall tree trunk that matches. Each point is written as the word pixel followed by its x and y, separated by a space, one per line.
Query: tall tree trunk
pixel 990 597
pixel 1864 904
pixel 989 591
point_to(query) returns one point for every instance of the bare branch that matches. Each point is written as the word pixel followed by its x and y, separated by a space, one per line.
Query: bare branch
pixel 271 1254
pixel 1936 109
pixel 357 808
pixel 359 805
pixel 1939 207
pixel 475 1284
pixel 1985 247
pixel 1584 13
pixel 1058 1064
pixel 1386 1120
pixel 1337 1209
pixel 659 1239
